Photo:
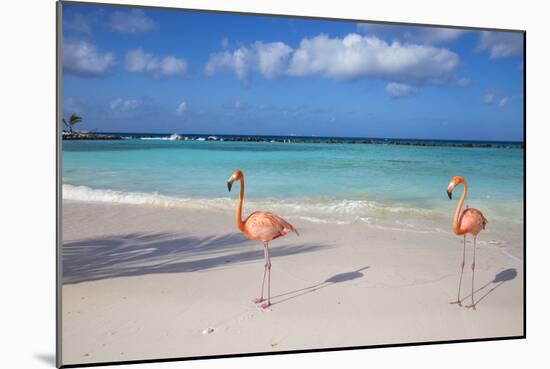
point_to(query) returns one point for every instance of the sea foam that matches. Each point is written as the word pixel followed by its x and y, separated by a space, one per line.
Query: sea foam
pixel 390 217
pixel 87 194
pixel 333 211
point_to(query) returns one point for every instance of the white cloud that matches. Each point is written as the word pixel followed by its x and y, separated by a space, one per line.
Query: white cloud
pixel 182 108
pixel 494 97
pixel 82 59
pixel 349 58
pixel 72 105
pixel 489 97
pixel 125 104
pixel 463 82
pixel 505 100
pixel 270 59
pixel 132 21
pixel 501 44
pixel 399 89
pixel 238 62
pixel 139 61
pixel 411 34
pixel 172 66
pixel 225 43
pixel 355 56
pixel 79 23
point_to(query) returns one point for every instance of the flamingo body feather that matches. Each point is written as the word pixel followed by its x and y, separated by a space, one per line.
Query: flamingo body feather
pixel 265 226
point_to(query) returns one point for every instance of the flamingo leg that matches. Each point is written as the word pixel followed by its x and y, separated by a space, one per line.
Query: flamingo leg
pixel 458 302
pixel 473 305
pixel 261 298
pixel 268 267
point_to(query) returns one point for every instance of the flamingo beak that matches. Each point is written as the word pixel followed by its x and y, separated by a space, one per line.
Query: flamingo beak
pixel 229 186
pixel 450 194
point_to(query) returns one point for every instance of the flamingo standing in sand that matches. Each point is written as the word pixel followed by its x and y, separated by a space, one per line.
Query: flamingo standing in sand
pixel 466 221
pixel 261 226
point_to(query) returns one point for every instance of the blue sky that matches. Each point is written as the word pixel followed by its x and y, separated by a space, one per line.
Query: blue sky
pixel 165 71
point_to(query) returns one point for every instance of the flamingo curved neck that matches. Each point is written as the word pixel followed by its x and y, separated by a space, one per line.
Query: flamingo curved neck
pixel 456 225
pixel 239 211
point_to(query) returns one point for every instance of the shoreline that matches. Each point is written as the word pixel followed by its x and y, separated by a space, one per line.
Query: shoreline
pixel 289 139
pixel 371 213
pixel 143 282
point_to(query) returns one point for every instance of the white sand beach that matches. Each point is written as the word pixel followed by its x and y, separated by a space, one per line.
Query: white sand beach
pixel 146 282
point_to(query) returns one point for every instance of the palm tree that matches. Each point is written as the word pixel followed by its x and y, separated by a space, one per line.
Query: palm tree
pixel 73 119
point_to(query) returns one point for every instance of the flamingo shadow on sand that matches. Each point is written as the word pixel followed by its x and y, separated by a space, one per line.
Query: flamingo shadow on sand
pixel 337 278
pixel 501 277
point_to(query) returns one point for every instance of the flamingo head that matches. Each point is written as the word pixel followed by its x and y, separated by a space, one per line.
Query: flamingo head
pixel 236 176
pixel 454 182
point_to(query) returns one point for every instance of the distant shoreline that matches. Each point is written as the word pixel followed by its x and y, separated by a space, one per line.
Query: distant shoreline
pixel 84 136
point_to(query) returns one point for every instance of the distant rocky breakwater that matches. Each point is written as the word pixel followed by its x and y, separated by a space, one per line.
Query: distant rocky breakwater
pixel 175 137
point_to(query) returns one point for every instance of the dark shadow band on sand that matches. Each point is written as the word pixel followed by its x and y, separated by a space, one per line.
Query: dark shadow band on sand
pixel 337 278
pixel 500 278
pixel 140 254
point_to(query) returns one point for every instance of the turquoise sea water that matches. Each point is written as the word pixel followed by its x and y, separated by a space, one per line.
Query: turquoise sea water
pixel 378 184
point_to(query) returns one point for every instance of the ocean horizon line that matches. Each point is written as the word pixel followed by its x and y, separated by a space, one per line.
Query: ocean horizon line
pixel 295 136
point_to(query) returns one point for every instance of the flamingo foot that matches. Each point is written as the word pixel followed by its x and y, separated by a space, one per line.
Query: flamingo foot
pixel 456 302
pixel 472 306
pixel 258 300
pixel 265 305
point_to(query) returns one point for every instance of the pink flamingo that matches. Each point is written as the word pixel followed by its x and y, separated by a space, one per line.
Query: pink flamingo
pixel 260 226
pixel 466 221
